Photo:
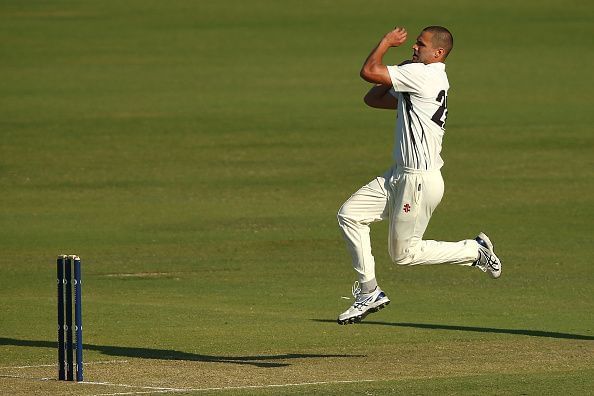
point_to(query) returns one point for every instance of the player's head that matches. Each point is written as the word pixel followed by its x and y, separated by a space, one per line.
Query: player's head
pixel 433 45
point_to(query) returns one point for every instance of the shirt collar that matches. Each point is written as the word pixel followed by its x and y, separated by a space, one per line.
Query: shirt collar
pixel 438 65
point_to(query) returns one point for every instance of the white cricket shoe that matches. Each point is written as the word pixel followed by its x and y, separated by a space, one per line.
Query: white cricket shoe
pixel 365 303
pixel 487 260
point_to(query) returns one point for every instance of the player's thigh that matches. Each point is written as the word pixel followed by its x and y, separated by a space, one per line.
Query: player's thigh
pixel 404 211
pixel 368 204
pixel 432 189
pixel 429 193
pixel 416 196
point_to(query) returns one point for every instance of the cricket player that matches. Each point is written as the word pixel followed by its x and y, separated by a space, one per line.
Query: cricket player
pixel 408 193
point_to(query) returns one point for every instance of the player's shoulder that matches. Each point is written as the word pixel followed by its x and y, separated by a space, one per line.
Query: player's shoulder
pixel 418 78
pixel 419 68
pixel 438 67
pixel 411 66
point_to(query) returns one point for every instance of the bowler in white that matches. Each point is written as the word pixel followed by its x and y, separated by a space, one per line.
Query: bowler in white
pixel 407 193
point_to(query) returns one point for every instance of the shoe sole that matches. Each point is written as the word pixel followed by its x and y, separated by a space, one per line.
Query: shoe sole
pixel 358 319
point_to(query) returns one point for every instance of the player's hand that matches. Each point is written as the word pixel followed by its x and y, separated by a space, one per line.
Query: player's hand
pixel 396 37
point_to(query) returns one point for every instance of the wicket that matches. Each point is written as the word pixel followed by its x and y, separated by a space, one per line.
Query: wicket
pixel 65 342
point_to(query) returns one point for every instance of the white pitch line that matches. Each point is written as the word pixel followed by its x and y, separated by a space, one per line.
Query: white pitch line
pixel 23 377
pixel 55 365
pixel 35 366
pixel 140 392
pixel 160 388
pixel 224 388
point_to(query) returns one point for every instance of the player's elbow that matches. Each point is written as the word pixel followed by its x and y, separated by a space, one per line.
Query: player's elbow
pixel 375 74
pixel 379 97
pixel 372 100
pixel 369 100
pixel 366 74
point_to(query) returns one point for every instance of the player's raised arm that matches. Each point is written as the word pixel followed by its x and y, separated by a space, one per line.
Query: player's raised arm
pixel 374 70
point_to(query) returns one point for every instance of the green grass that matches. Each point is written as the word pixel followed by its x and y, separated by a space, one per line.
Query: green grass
pixel 194 154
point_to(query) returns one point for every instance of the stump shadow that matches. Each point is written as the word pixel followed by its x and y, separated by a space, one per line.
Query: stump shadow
pixel 265 361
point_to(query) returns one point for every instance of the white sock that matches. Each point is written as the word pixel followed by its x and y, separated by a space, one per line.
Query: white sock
pixel 369 286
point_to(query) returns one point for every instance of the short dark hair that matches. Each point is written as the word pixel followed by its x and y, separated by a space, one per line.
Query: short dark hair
pixel 442 38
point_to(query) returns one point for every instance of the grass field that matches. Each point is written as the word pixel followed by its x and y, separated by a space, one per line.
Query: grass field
pixel 194 154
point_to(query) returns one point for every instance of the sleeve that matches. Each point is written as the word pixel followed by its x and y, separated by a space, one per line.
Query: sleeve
pixel 408 78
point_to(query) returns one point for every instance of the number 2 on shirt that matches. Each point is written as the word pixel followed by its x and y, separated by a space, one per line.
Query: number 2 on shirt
pixel 441 114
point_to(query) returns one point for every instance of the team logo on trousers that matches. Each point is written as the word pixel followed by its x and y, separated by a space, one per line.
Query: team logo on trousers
pixel 406 208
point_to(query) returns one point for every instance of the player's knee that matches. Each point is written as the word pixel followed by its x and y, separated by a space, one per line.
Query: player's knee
pixel 402 254
pixel 402 259
pixel 343 215
pixel 342 220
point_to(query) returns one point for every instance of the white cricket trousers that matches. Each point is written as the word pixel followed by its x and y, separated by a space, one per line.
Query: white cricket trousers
pixel 407 197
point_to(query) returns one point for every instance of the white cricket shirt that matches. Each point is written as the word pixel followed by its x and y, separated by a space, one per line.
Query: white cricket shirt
pixel 422 92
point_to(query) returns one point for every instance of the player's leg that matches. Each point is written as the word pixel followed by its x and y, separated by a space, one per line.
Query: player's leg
pixel 416 195
pixel 367 205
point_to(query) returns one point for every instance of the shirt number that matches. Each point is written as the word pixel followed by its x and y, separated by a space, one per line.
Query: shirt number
pixel 441 114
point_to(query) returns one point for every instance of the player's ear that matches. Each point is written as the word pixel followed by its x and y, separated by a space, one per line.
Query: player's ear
pixel 439 53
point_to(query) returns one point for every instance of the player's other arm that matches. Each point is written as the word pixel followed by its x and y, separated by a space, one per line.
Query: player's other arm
pixel 374 70
pixel 379 96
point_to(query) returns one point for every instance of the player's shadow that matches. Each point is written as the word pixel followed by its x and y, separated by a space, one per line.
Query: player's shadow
pixel 266 361
pixel 433 326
